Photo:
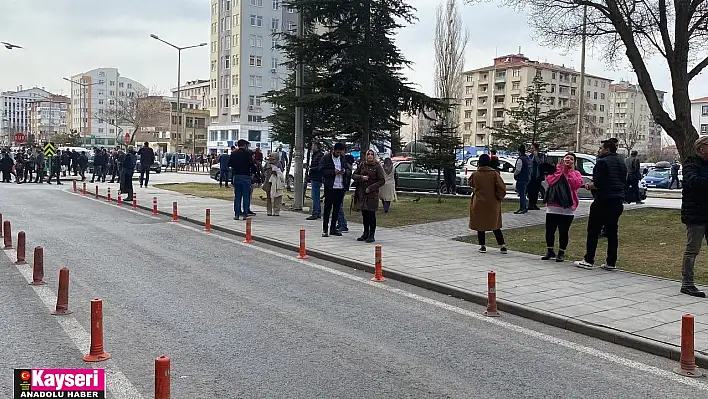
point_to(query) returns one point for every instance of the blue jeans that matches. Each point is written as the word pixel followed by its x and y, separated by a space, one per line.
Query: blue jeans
pixel 316 201
pixel 521 187
pixel 242 192
pixel 342 221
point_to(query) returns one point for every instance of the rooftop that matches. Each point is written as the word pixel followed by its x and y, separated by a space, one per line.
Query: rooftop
pixel 700 100
pixel 519 60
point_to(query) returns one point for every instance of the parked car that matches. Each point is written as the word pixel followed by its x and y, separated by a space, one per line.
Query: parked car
pixel 414 178
pixel 155 167
pixel 215 172
pixel 506 169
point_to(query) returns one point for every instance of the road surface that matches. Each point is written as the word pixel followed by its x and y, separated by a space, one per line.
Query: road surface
pixel 244 321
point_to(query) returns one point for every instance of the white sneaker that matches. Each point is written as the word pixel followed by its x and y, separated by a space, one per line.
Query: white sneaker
pixel 584 265
pixel 608 267
pixel 483 249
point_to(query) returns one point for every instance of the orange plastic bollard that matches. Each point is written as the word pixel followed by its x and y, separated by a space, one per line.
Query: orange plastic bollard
pixel 175 217
pixel 378 270
pixel 303 249
pixel 21 248
pixel 108 197
pixel 63 294
pixel 492 295
pixel 207 221
pixel 38 268
pixel 74 185
pixel 687 364
pixel 83 190
pixel 96 353
pixel 162 377
pixel 249 238
pixel 7 234
pixel 119 200
pixel 154 206
pixel 135 201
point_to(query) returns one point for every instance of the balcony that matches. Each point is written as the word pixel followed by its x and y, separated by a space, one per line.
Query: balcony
pixel 500 77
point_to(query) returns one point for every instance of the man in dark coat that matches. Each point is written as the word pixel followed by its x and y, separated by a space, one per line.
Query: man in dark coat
pixel 127 168
pixel 224 168
pixel 537 159
pixel 99 163
pixel 336 173
pixel 147 158
pixel 608 186
pixel 39 164
pixel 82 164
pixel 634 174
pixel 522 175
pixel 315 177
pixel 54 168
pixel 6 167
pixel 694 212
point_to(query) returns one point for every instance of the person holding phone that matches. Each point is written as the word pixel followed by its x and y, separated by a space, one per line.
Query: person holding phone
pixel 561 203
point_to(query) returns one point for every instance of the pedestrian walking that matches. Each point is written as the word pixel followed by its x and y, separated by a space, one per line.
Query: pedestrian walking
pixel 147 158
pixel 675 167
pixel 315 177
pixel 387 192
pixel 6 164
pixel 537 160
pixel 370 177
pixel 127 168
pixel 98 165
pixel 19 167
pixel 29 166
pixel 694 212
pixel 74 162
pixel 522 175
pixel 274 185
pixel 561 202
pixel 39 164
pixel 609 177
pixel 336 173
pixel 224 167
pixel 241 164
pixel 485 207
pixel 634 174
pixel 342 225
pixel 82 164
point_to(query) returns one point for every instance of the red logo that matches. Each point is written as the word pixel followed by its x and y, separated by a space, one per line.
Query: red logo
pixel 19 137
pixel 25 375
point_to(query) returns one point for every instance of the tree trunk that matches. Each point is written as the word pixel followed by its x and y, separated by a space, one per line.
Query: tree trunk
pixel 439 188
pixel 366 122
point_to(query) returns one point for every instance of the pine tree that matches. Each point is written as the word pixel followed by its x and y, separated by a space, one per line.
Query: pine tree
pixel 535 120
pixel 442 142
pixel 354 52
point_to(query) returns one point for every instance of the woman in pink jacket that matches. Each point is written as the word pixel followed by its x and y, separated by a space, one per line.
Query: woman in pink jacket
pixel 560 216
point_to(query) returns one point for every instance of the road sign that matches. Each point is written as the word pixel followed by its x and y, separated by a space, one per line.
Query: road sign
pixel 127 138
pixel 19 137
pixel 49 150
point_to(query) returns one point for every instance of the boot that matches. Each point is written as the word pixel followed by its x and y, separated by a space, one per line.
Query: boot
pixel 550 254
pixel 693 291
pixel 371 238
pixel 364 236
pixel 561 256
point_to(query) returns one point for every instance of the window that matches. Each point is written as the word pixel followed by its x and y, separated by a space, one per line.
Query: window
pixel 111 93
pixel 515 99
pixel 587 94
pixel 100 101
pixel 213 65
pixel 226 100
pixel 274 83
pixel 515 86
pixel 602 96
pixel 256 41
pixel 292 27
pixel 586 166
pixel 100 130
pixel 257 3
pixel 254 136
pixel 704 129
pixel 235 40
pixel 213 135
pixel 553 88
pixel 553 75
pixel 468 102
pixel 274 63
pixel 704 110
pixel 213 84
pixel 255 118
pixel 234 60
pixel 213 47
pixel 256 20
pixel 403 167
pixel 275 24
pixel 602 119
pixel 228 5
pixel 594 107
pixel 596 83
pixel 234 80
pixel 237 19
pixel 101 74
pixel 594 95
pixel 468 114
pixel 602 108
pixel 290 10
pixel 254 100
pixel 112 83
pixel 227 62
pixel 227 40
pixel 276 4
pixel 574 79
pixel 255 61
pixel 468 125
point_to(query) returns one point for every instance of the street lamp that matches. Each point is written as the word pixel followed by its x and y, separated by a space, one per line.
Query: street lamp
pixel 179 71
pixel 81 100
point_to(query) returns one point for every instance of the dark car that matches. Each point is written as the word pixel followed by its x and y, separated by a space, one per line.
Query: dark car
pixel 414 178
pixel 155 167
pixel 215 172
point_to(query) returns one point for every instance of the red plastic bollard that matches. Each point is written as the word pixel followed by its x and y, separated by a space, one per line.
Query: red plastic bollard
pixel 378 269
pixel 38 268
pixel 96 353
pixel 108 197
pixel 687 364
pixel 7 234
pixel 135 202
pixel 63 294
pixel 492 295
pixel 175 217
pixel 83 190
pixel 249 237
pixel 207 221
pixel 74 185
pixel 154 206
pixel 303 249
pixel 96 192
pixel 162 377
pixel 1 224
pixel 21 248
pixel 119 200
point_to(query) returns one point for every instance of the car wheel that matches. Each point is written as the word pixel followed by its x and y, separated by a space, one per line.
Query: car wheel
pixel 216 176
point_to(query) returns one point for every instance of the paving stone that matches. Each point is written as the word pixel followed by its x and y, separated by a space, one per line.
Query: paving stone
pixel 637 323
pixel 576 310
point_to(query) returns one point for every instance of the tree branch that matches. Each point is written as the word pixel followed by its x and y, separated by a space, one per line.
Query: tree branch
pixel 697 69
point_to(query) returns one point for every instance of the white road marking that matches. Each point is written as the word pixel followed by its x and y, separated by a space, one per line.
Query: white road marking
pixel 117 383
pixel 655 371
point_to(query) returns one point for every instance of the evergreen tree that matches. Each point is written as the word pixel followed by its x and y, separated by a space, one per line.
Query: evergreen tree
pixel 535 120
pixel 354 52
pixel 442 142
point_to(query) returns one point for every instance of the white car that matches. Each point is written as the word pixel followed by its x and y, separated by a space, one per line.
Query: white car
pixel 506 169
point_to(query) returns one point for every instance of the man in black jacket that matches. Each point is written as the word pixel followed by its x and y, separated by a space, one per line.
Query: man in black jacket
pixel 609 178
pixel 315 177
pixel 147 158
pixel 336 173
pixel 242 166
pixel 694 212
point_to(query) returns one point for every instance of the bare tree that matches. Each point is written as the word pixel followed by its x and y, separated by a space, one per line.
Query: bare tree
pixel 136 113
pixel 676 30
pixel 450 43
pixel 630 136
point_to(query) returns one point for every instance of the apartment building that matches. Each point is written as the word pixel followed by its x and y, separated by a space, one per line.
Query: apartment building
pixel 699 114
pixel 631 121
pixel 195 90
pixel 49 116
pixel 163 127
pixel 93 94
pixel 490 90
pixel 244 66
pixel 416 126
pixel 15 111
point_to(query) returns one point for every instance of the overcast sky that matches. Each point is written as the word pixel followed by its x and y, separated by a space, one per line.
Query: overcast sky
pixel 67 37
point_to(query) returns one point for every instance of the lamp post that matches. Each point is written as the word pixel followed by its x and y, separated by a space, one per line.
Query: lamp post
pixel 179 70
pixel 581 102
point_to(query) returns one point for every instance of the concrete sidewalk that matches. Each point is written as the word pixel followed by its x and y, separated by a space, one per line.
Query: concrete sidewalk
pixel 633 310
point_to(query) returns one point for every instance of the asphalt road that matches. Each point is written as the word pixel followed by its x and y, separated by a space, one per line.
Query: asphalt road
pixel 252 322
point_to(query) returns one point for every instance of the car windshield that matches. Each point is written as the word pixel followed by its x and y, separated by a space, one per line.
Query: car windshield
pixel 660 173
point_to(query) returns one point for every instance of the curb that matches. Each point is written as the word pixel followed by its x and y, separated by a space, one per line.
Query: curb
pixel 566 323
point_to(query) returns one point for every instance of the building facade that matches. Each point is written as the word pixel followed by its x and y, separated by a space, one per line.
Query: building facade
pixel 631 121
pixel 699 115
pixel 244 65
pixel 416 126
pixel 96 97
pixel 489 91
pixel 15 111
pixel 49 116
pixel 195 90
pixel 166 135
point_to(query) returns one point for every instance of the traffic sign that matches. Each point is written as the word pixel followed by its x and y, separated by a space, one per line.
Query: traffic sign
pixel 49 150
pixel 19 137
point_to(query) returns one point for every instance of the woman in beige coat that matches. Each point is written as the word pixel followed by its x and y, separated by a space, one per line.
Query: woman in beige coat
pixel 485 207
pixel 387 192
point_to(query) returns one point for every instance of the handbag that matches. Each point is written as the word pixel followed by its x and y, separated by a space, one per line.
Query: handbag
pixel 559 193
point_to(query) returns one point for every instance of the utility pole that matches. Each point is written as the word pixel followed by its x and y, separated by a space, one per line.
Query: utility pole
pixel 581 102
pixel 299 120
